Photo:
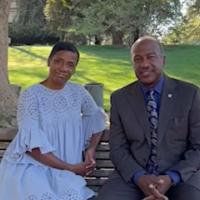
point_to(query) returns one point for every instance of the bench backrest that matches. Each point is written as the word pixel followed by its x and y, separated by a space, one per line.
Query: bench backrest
pixel 104 165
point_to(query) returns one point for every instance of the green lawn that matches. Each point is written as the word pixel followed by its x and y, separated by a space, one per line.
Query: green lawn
pixel 105 64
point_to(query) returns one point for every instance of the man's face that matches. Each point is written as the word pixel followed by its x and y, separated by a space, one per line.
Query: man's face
pixel 62 66
pixel 148 62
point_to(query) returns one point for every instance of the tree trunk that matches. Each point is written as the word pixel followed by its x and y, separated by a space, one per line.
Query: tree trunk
pixel 8 98
pixel 137 34
pixel 97 40
pixel 117 38
pixel 4 10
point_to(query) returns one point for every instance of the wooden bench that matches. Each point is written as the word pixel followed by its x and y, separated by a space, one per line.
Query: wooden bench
pixel 103 168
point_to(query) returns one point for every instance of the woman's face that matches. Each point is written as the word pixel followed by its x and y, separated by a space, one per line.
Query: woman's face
pixel 62 65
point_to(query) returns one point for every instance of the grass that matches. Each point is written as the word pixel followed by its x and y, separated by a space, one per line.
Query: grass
pixel 183 62
pixel 104 64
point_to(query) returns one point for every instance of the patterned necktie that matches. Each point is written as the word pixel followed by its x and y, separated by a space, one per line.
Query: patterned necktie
pixel 152 109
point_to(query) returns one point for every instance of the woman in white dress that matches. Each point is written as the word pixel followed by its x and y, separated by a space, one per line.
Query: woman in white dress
pixel 57 121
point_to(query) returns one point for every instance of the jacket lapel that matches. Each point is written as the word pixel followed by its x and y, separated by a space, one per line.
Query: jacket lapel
pixel 166 108
pixel 136 101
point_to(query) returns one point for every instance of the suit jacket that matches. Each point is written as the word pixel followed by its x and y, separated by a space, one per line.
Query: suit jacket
pixel 178 130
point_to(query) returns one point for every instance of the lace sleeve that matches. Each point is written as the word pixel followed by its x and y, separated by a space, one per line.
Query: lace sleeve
pixel 27 111
pixel 92 115
pixel 30 134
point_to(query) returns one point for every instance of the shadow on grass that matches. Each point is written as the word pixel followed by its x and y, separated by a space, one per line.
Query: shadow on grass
pixel 34 55
pixel 107 52
pixel 28 73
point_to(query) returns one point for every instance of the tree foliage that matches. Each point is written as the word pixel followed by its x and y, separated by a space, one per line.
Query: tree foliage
pixel 31 12
pixel 188 31
pixel 30 26
pixel 131 18
pixel 195 8
pixel 59 15
pixel 121 19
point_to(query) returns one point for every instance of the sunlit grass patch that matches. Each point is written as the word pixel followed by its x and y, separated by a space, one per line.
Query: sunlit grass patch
pixel 103 64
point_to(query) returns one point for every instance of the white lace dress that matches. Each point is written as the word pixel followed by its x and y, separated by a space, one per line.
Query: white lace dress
pixel 58 121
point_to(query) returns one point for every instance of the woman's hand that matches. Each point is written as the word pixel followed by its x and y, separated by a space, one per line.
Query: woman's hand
pixel 89 158
pixel 51 160
pixel 81 168
pixel 87 166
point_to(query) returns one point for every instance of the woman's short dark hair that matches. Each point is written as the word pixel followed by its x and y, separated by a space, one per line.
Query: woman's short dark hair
pixel 64 46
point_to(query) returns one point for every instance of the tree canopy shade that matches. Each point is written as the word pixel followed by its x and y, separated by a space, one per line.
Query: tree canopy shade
pixel 123 20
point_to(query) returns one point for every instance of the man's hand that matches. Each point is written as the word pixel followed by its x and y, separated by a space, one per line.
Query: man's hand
pixel 155 186
pixel 164 183
pixel 145 181
pixel 156 195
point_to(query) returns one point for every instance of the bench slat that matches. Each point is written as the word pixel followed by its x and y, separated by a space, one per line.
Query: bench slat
pixel 94 188
pixel 3 145
pixel 7 134
pixel 103 172
pixel 103 147
pixel 1 153
pixel 104 164
pixel 97 181
pixel 102 155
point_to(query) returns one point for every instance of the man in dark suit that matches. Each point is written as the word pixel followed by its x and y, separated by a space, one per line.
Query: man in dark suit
pixel 154 133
